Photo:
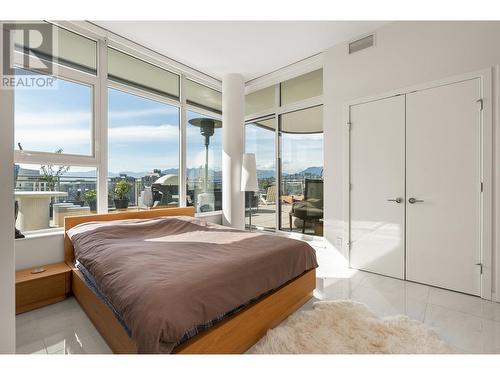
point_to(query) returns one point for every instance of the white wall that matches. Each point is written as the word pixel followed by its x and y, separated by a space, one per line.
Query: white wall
pixel 39 250
pixel 405 54
pixel 7 302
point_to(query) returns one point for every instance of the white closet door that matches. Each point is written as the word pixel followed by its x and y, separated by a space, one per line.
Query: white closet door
pixel 377 154
pixel 443 171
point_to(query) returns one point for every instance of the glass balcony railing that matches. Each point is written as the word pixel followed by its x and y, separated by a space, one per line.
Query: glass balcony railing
pixel 77 195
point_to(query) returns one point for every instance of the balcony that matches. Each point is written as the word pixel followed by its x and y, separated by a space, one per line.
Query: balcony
pixel 264 206
pixel 43 203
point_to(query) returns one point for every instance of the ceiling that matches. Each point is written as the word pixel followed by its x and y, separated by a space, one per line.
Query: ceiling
pixel 251 48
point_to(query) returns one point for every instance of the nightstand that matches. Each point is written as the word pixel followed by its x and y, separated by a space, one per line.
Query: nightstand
pixel 36 289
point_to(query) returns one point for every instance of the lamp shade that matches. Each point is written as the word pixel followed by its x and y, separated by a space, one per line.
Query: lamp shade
pixel 249 173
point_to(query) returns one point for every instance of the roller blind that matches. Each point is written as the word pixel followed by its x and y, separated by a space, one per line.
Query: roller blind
pixel 203 96
pixel 132 71
pixel 259 101
pixel 305 121
pixel 68 48
pixel 302 87
pixel 264 124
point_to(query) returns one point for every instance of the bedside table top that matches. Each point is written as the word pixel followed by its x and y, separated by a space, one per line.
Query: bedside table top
pixel 50 270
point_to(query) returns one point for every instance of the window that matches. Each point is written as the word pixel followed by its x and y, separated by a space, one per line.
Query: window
pixel 294 202
pixel 302 87
pixel 204 162
pixel 132 71
pixel 47 193
pixel 71 49
pixel 301 185
pixel 203 96
pixel 54 133
pixel 260 101
pixel 260 138
pixel 143 150
pixel 55 119
pixel 60 144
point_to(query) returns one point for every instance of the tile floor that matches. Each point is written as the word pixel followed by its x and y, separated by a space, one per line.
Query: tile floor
pixel 468 324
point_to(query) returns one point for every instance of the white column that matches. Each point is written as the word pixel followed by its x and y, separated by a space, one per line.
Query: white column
pixel 233 117
pixel 7 299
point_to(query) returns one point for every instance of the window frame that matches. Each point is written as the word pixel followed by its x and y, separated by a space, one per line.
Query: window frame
pixel 144 94
pixel 99 84
pixel 75 76
pixel 277 111
pixel 277 170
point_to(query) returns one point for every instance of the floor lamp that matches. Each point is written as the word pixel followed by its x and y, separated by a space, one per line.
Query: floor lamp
pixel 249 180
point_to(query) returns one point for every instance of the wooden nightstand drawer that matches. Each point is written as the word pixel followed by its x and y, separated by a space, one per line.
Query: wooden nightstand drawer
pixel 41 289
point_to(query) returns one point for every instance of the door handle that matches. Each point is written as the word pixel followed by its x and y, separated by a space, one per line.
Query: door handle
pixel 397 200
pixel 413 200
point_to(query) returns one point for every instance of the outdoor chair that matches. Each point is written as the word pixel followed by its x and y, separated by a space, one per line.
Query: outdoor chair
pixel 270 196
pixel 310 209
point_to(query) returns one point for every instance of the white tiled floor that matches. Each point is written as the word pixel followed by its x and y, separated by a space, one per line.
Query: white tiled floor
pixel 468 324
pixel 62 328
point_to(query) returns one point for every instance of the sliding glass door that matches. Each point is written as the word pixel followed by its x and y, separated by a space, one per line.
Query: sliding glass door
pixel 260 136
pixel 284 129
pixel 301 171
pixel 296 201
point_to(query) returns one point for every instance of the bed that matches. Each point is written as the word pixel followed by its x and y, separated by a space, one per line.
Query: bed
pixel 163 281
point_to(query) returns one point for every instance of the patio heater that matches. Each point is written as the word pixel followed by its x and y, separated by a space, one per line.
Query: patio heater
pixel 207 128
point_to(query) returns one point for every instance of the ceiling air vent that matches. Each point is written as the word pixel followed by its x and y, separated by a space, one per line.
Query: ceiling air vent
pixel 360 44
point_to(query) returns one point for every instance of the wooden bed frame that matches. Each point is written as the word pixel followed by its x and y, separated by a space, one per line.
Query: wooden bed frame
pixel 233 335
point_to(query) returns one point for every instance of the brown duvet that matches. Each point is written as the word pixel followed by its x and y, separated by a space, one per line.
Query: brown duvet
pixel 165 276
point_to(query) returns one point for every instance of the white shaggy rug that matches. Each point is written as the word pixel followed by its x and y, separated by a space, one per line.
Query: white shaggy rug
pixel 348 327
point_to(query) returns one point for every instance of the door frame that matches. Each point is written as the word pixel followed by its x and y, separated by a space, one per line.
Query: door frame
pixel 486 246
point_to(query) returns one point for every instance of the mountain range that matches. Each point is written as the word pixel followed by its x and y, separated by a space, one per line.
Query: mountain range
pixel 192 173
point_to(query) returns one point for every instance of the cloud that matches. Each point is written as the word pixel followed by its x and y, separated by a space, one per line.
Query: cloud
pixel 269 166
pixel 142 164
pixel 124 114
pixel 26 119
pixel 40 137
pixel 44 140
pixel 143 133
pixel 197 159
pixel 52 119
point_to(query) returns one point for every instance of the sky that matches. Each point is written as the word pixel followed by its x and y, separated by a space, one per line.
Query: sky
pixel 143 134
pixel 299 151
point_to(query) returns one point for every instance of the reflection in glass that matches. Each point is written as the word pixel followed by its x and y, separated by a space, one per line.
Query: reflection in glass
pixel 260 140
pixel 301 185
pixel 204 162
